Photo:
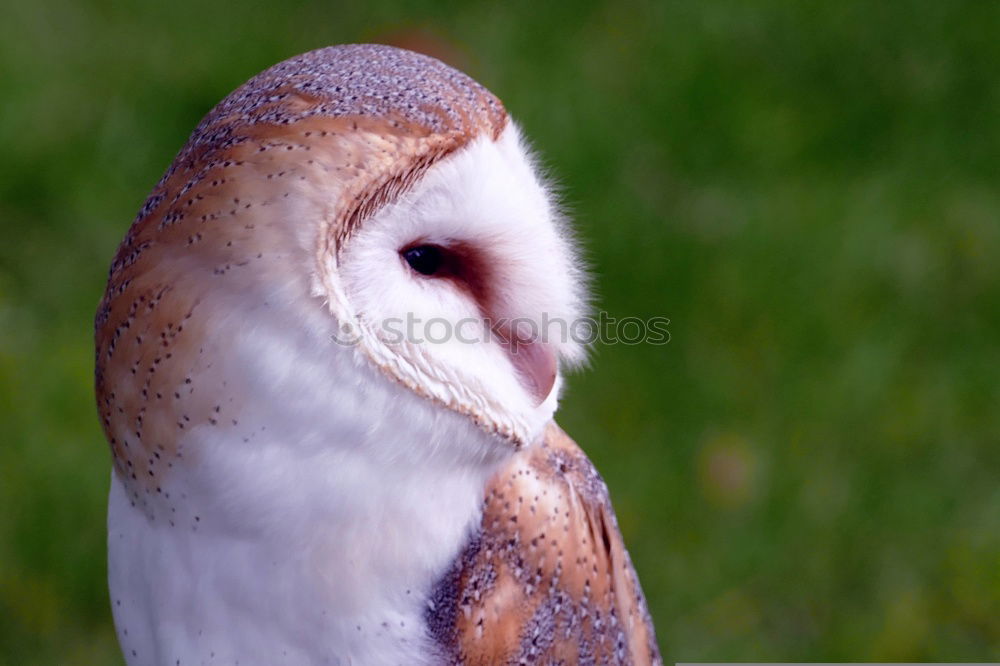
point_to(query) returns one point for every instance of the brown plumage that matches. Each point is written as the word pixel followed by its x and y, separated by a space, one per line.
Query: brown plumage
pixel 546 579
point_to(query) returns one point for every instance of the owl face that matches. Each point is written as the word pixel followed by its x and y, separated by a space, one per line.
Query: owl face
pixel 463 288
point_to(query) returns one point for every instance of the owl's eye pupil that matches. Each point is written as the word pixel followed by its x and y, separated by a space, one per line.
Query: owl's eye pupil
pixel 424 259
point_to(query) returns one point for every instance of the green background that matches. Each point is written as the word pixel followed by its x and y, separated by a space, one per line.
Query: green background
pixel 809 191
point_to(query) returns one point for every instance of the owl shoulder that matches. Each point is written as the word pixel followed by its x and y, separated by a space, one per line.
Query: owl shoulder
pixel 546 577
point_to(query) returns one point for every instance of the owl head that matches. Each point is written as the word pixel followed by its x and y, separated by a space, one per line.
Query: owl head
pixel 357 206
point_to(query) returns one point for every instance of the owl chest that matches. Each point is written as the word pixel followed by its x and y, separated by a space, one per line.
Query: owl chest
pixel 313 582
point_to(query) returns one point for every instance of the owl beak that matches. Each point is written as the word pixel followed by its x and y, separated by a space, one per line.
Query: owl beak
pixel 535 363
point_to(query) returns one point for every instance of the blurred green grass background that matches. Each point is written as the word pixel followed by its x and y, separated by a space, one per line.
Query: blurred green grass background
pixel 808 471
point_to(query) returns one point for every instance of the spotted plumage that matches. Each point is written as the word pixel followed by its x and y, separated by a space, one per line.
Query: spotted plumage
pixel 546 577
pixel 280 495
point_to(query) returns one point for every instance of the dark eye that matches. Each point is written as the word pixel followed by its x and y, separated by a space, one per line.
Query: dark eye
pixel 424 259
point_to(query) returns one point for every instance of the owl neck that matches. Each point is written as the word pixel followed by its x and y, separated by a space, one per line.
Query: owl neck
pixel 352 493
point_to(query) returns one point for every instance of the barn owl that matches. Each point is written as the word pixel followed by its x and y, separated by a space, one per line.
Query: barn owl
pixel 291 483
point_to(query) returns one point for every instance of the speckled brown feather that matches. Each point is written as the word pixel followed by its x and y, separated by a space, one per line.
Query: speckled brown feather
pixel 312 146
pixel 546 579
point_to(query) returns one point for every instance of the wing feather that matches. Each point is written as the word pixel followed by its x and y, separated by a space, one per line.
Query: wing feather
pixel 546 579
